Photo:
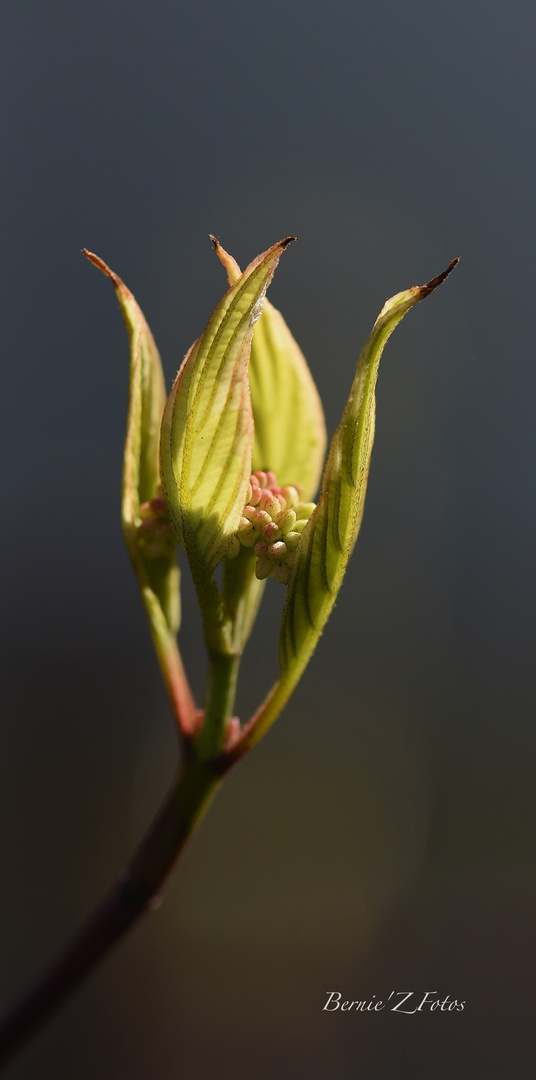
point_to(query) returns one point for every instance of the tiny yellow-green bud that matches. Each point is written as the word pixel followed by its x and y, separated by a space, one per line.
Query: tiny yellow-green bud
pixel 248 537
pixel 261 518
pixel 286 520
pixel 282 573
pixel 304 510
pixel 291 495
pixel 292 540
pixel 264 568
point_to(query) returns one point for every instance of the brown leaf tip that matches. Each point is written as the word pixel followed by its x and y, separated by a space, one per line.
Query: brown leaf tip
pixel 101 265
pixel 431 285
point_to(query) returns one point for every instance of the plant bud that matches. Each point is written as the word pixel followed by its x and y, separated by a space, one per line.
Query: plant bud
pixel 272 532
pixel 292 540
pixel 277 551
pixel 282 573
pixel 304 510
pixel 261 518
pixel 286 520
pixel 291 495
pixel 264 568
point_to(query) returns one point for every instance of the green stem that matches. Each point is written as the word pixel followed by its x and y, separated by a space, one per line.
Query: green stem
pixel 262 720
pixel 220 699
pixel 135 892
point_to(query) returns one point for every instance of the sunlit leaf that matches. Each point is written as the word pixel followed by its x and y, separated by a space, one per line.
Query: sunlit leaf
pixel 207 428
pixel 290 433
pixel 155 563
pixel 330 534
pixel 328 540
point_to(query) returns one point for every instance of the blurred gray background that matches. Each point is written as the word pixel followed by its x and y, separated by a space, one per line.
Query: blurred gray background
pixel 380 839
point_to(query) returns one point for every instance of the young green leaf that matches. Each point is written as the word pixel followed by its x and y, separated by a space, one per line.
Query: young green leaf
pixel 207 428
pixel 290 432
pixel 146 527
pixel 329 536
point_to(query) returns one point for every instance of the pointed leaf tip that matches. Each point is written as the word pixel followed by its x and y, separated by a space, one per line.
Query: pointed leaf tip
pixel 227 261
pixel 101 265
pixel 431 285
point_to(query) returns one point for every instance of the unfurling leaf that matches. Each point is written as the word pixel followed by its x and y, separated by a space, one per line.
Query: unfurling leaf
pixel 146 527
pixel 290 432
pixel 329 538
pixel 207 428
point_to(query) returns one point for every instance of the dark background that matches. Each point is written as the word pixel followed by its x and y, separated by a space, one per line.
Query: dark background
pixel 381 837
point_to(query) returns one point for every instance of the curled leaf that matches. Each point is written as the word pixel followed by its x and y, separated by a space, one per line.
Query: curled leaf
pixel 329 537
pixel 207 427
pixel 146 527
pixel 290 432
pixel 141 475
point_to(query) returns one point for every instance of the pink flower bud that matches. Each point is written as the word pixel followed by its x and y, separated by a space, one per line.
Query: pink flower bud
pixel 271 532
pixel 270 503
pixel 277 551
pixel 261 519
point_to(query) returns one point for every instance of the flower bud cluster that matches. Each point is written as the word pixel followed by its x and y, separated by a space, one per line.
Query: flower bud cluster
pixel 155 531
pixel 272 523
